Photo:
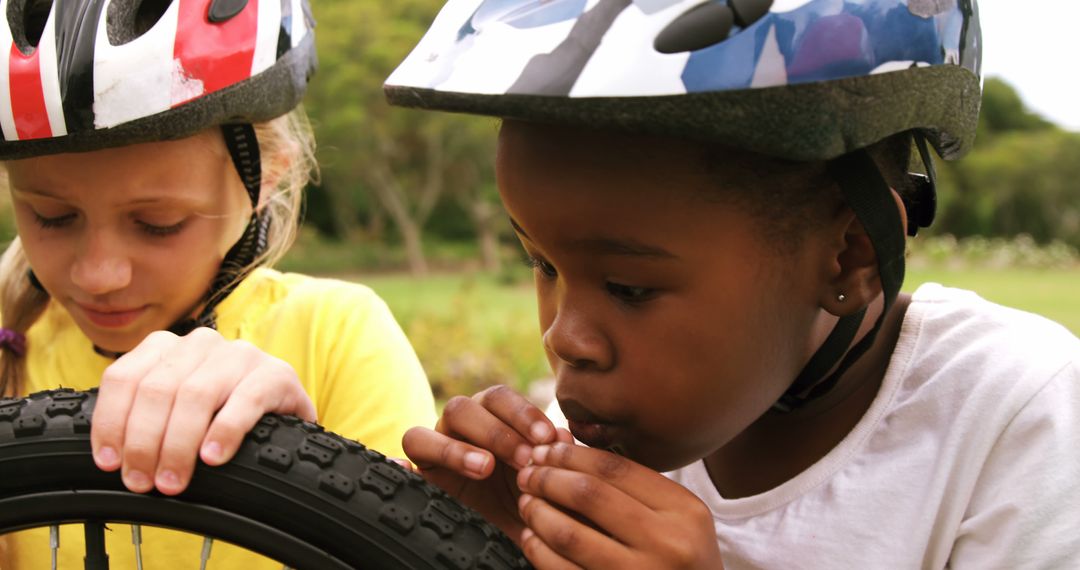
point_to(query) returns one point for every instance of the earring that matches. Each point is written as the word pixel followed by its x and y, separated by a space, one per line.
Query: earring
pixel 841 298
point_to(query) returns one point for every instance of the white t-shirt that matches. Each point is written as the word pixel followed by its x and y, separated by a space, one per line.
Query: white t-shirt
pixel 969 457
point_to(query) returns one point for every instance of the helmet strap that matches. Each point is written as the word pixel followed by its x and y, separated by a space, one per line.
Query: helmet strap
pixel 870 197
pixel 243 146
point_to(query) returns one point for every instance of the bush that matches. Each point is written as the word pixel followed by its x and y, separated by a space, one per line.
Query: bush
pixel 994 253
pixel 470 330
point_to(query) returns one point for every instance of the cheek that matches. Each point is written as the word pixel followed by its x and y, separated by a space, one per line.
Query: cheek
pixel 186 264
pixel 546 302
pixel 707 367
pixel 49 253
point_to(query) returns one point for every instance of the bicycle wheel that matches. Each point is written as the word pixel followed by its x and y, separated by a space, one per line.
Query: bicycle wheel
pixel 294 492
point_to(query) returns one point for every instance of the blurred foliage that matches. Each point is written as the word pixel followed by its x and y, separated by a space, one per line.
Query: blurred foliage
pixel 470 330
pixel 382 164
pixel 407 189
pixel 1004 111
pixel 977 252
pixel 1023 177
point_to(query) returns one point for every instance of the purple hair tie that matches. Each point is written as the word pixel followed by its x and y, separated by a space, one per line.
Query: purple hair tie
pixel 13 341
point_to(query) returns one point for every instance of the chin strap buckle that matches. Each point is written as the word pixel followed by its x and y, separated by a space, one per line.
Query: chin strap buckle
pixel 921 208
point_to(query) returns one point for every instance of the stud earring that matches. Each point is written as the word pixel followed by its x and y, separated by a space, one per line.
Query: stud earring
pixel 841 298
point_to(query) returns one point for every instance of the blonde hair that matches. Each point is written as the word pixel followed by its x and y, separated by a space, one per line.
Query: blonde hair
pixel 287 149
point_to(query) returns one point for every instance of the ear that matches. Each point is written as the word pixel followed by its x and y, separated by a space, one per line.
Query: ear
pixel 853 281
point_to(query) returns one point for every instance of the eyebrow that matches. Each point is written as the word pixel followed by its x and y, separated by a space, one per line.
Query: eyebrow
pixel 41 193
pixel 136 202
pixel 607 246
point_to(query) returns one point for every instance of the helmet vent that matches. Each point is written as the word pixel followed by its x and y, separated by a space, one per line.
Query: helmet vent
pixel 702 26
pixel 749 11
pixel 224 10
pixel 127 21
pixel 33 17
pixel 148 14
pixel 708 24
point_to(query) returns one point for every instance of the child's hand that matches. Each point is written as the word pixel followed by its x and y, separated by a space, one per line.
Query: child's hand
pixel 155 410
pixel 477 448
pixel 636 517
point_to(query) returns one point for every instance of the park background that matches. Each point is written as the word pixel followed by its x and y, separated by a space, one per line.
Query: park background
pixel 406 201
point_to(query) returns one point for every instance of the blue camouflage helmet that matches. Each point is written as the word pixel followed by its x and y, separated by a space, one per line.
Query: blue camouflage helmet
pixel 804 80
pixel 843 74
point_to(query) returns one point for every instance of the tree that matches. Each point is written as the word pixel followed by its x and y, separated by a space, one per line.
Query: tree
pixel 406 160
pixel 1003 111
pixel 1022 177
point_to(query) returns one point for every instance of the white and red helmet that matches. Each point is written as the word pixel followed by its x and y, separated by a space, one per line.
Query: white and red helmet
pixel 86 74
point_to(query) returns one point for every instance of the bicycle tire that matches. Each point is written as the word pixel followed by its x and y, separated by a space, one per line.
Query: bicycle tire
pixel 295 492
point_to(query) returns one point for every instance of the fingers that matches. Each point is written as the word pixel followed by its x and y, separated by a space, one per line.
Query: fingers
pixel 563 435
pixel 117 394
pixel 588 496
pixel 198 395
pixel 499 421
pixel 152 408
pixel 640 483
pixel 271 386
pixel 156 408
pixel 553 539
pixel 431 450
pixel 519 413
pixel 597 510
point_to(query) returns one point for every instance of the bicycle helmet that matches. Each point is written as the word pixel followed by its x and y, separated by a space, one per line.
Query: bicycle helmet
pixel 807 80
pixel 82 75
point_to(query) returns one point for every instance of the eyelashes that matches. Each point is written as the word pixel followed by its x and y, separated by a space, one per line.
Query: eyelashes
pixel 162 231
pixel 153 230
pixel 627 294
pixel 57 222
pixel 546 269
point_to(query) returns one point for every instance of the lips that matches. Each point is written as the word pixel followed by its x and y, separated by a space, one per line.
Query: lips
pixel 600 436
pixel 587 427
pixel 110 317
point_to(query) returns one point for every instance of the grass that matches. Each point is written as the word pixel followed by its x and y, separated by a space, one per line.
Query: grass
pixel 1053 293
pixel 471 330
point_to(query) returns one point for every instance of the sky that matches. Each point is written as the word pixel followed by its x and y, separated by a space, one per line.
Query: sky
pixel 1035 46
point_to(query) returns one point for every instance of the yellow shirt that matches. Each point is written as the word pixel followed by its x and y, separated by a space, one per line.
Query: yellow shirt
pixel 350 354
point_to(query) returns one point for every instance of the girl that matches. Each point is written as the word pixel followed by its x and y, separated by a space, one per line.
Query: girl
pixel 155 155
pixel 714 197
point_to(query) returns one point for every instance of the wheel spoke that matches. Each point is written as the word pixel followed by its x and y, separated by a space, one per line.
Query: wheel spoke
pixel 207 544
pixel 136 539
pixel 96 557
pixel 54 543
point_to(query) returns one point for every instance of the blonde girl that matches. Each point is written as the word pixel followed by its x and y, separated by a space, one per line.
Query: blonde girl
pixel 156 156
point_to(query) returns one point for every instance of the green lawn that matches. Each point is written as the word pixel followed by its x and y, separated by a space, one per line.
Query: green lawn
pixel 470 330
pixel 1053 293
pixel 489 299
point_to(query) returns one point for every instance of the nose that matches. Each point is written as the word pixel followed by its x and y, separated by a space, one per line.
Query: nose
pixel 101 265
pixel 573 337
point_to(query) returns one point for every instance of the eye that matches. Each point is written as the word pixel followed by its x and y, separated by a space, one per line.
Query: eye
pixel 54 222
pixel 161 231
pixel 630 293
pixel 546 269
